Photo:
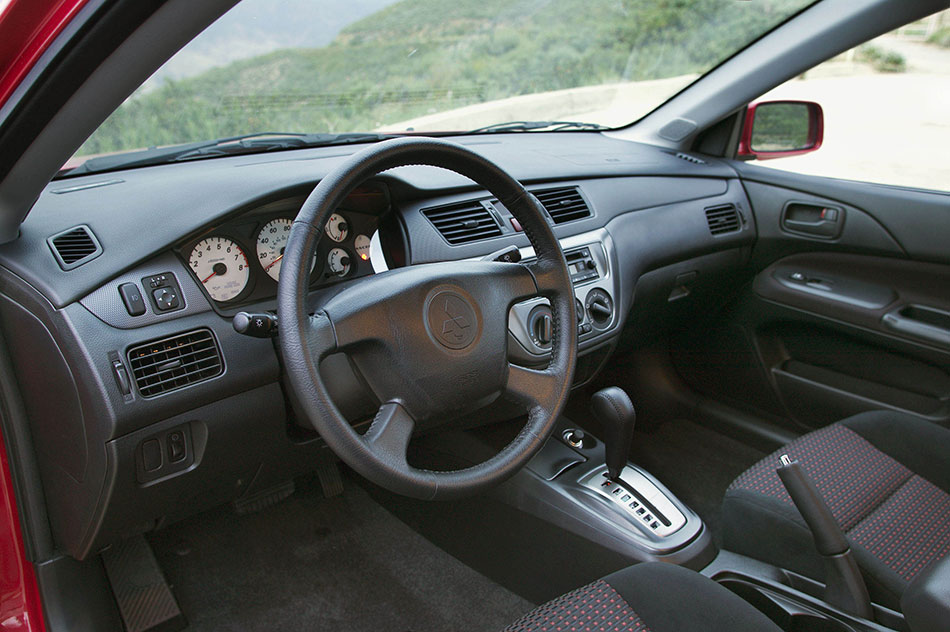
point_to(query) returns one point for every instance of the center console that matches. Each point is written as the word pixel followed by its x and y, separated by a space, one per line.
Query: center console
pixel 634 515
pixel 591 262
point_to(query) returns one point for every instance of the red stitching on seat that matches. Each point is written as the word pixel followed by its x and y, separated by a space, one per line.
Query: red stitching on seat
pixel 596 607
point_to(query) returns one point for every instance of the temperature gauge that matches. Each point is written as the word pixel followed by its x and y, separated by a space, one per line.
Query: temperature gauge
pixel 338 261
pixel 337 229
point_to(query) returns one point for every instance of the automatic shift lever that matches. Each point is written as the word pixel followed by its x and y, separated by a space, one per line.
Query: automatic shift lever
pixel 613 408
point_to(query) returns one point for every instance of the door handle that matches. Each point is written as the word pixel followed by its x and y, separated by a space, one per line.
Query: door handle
pixel 921 322
pixel 812 220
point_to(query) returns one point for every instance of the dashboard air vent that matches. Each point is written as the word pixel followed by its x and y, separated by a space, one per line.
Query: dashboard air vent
pixel 463 223
pixel 689 158
pixel 563 205
pixel 171 363
pixel 74 247
pixel 722 219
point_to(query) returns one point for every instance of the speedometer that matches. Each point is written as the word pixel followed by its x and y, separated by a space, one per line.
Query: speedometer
pixel 271 242
pixel 221 266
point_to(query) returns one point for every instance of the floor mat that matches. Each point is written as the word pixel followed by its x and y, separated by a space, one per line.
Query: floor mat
pixel 312 563
pixel 695 463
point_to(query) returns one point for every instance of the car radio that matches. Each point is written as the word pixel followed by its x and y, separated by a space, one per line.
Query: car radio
pixel 581 265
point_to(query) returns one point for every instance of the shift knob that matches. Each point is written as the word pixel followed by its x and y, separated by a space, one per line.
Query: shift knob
pixel 613 408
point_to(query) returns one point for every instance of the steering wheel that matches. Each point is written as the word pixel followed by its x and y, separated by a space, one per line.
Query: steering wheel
pixel 429 339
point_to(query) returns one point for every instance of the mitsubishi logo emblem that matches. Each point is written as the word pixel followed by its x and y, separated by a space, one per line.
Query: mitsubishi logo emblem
pixel 452 320
pixel 455 324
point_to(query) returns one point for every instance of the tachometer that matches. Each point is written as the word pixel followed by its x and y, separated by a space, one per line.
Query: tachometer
pixel 221 267
pixel 271 242
pixel 337 229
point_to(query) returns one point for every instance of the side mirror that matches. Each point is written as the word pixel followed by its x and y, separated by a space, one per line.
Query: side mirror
pixel 778 129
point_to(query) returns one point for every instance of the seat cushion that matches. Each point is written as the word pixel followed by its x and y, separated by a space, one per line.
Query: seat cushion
pixel 647 597
pixel 885 477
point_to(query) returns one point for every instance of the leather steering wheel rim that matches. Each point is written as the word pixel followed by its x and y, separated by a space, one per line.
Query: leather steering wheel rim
pixel 394 301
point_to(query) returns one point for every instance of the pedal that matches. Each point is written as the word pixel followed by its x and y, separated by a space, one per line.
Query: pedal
pixel 263 499
pixel 330 479
pixel 145 599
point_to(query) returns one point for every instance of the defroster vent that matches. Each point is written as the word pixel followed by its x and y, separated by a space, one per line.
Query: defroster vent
pixel 463 223
pixel 722 219
pixel 171 363
pixel 563 205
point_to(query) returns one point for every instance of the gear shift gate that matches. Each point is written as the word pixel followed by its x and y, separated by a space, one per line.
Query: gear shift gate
pixel 640 501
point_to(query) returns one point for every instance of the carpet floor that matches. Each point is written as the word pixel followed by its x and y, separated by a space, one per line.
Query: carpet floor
pixel 312 563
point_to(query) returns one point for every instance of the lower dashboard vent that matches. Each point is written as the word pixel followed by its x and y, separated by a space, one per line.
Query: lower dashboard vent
pixel 463 223
pixel 563 205
pixel 722 219
pixel 171 363
pixel 74 247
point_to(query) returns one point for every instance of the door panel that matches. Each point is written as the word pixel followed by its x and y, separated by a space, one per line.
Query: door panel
pixel 842 316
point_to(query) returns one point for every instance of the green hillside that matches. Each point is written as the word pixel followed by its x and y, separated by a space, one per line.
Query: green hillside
pixel 421 56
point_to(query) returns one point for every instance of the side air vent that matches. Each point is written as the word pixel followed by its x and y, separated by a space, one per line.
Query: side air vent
pixel 689 158
pixel 463 223
pixel 563 205
pixel 171 363
pixel 722 219
pixel 74 247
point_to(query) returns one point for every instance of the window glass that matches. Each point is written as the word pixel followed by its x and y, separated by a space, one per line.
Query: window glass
pixel 335 66
pixel 886 109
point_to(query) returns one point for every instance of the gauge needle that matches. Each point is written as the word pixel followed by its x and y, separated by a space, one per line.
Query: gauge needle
pixel 271 264
pixel 203 281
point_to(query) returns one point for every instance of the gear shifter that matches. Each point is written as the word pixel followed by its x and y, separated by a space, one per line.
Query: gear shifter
pixel 613 408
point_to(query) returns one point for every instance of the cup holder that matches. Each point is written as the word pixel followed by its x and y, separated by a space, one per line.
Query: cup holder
pixel 789 616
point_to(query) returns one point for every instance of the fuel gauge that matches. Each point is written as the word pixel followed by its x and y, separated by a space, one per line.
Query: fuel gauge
pixel 338 262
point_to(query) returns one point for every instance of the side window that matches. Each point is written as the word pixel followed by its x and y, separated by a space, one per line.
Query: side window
pixel 886 109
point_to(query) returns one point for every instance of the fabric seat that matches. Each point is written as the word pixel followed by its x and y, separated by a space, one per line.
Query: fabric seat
pixel 885 477
pixel 647 597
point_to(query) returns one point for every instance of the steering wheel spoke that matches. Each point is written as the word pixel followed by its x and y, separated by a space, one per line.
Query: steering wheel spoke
pixel 320 336
pixel 531 386
pixel 389 434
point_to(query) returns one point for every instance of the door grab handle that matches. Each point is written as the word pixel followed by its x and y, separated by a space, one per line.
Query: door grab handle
pixel 921 322
pixel 803 218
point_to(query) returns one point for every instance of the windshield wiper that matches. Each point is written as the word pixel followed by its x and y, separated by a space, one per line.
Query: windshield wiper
pixel 229 146
pixel 529 126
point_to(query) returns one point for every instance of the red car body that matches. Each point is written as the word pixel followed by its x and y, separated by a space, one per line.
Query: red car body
pixel 27 28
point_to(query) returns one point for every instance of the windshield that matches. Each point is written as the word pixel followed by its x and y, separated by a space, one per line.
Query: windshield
pixel 338 66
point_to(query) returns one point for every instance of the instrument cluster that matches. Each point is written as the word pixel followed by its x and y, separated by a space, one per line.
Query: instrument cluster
pixel 239 262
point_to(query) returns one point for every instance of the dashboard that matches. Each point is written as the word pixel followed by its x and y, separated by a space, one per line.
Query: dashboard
pixel 162 409
pixel 237 262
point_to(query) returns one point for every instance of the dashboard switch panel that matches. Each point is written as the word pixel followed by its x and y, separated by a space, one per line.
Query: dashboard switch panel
pixel 164 453
pixel 164 291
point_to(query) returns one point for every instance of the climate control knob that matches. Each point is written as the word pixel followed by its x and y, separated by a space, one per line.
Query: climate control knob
pixel 540 326
pixel 600 308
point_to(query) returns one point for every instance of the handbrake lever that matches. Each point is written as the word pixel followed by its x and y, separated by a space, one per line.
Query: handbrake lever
pixel 844 585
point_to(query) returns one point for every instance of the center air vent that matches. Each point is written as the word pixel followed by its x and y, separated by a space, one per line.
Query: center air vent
pixel 563 205
pixel 172 363
pixel 722 219
pixel 74 247
pixel 463 223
